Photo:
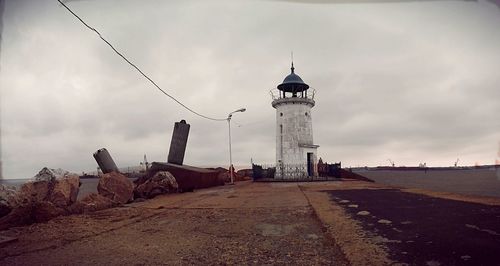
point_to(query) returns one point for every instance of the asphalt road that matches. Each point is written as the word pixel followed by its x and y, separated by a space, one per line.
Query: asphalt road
pixel 423 230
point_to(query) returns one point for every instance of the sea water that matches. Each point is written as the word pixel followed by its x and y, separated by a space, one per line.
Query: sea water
pixel 482 182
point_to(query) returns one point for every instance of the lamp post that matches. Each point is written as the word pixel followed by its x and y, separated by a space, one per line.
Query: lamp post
pixel 231 169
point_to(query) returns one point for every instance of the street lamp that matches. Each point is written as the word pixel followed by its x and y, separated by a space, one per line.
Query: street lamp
pixel 231 169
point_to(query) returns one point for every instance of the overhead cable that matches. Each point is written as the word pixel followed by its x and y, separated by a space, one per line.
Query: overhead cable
pixel 137 68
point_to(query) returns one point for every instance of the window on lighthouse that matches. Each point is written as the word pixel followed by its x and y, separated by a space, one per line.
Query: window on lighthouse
pixel 281 141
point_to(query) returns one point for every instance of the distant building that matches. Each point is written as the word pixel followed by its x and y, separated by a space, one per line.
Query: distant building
pixel 296 153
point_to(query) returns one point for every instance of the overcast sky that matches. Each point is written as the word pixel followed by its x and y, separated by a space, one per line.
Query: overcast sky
pixel 414 82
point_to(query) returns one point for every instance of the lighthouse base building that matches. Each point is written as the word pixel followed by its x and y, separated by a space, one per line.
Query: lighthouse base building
pixel 296 153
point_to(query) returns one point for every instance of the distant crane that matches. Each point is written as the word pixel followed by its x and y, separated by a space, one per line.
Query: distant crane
pixel 456 162
pixel 391 162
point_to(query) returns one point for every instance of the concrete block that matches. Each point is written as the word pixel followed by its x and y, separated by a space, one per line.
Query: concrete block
pixel 178 143
pixel 105 162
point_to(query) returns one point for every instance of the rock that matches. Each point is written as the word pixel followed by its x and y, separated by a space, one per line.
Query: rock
pixel 54 185
pixel 44 211
pixel 245 173
pixel 363 213
pixel 139 199
pixel 225 175
pixel 61 191
pixel 31 212
pixel 65 191
pixel 162 182
pixel 5 208
pixel 20 215
pixel 92 202
pixel 98 202
pixel 116 187
pixel 34 191
pixel 384 221
pixel 7 199
pixel 49 174
pixel 49 195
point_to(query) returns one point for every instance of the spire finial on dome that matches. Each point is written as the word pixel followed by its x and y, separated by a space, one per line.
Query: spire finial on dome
pixel 293 68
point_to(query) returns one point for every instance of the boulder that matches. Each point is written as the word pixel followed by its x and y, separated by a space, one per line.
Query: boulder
pixel 224 174
pixel 34 191
pixel 245 174
pixel 19 215
pixel 162 182
pixel 92 202
pixel 116 187
pixel 5 208
pixel 7 199
pixel 50 174
pixel 45 210
pixel 24 203
pixel 31 212
pixel 61 191
pixel 48 195
pixel 65 191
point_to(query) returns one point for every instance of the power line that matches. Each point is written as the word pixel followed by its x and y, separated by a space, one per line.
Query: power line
pixel 137 68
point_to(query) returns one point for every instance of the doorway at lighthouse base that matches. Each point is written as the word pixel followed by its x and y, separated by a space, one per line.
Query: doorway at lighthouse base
pixel 304 165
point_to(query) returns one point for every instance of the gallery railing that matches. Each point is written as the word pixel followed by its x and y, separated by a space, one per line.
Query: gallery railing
pixel 276 94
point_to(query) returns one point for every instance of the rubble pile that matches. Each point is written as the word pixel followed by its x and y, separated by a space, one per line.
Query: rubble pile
pixel 240 175
pixel 54 192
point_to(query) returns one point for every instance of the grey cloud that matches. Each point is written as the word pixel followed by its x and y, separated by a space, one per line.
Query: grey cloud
pixel 393 81
pixel 367 1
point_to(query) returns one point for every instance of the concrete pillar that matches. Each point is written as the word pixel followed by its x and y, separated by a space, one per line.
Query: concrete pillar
pixel 178 143
pixel 105 162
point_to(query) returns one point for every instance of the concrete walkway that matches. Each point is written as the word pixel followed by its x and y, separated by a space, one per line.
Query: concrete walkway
pixel 248 223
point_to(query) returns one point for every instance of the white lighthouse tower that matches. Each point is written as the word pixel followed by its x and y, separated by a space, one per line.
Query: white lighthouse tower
pixel 296 153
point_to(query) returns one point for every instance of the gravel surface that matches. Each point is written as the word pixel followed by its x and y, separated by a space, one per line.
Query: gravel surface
pixel 242 224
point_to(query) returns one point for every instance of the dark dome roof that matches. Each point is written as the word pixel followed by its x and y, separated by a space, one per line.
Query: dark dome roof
pixel 293 78
pixel 293 83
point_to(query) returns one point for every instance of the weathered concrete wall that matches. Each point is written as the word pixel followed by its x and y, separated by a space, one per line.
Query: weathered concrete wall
pixel 188 177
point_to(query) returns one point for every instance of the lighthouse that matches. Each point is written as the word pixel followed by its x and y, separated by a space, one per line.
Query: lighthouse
pixel 296 153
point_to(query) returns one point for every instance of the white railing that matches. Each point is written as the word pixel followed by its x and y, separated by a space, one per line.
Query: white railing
pixel 275 94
